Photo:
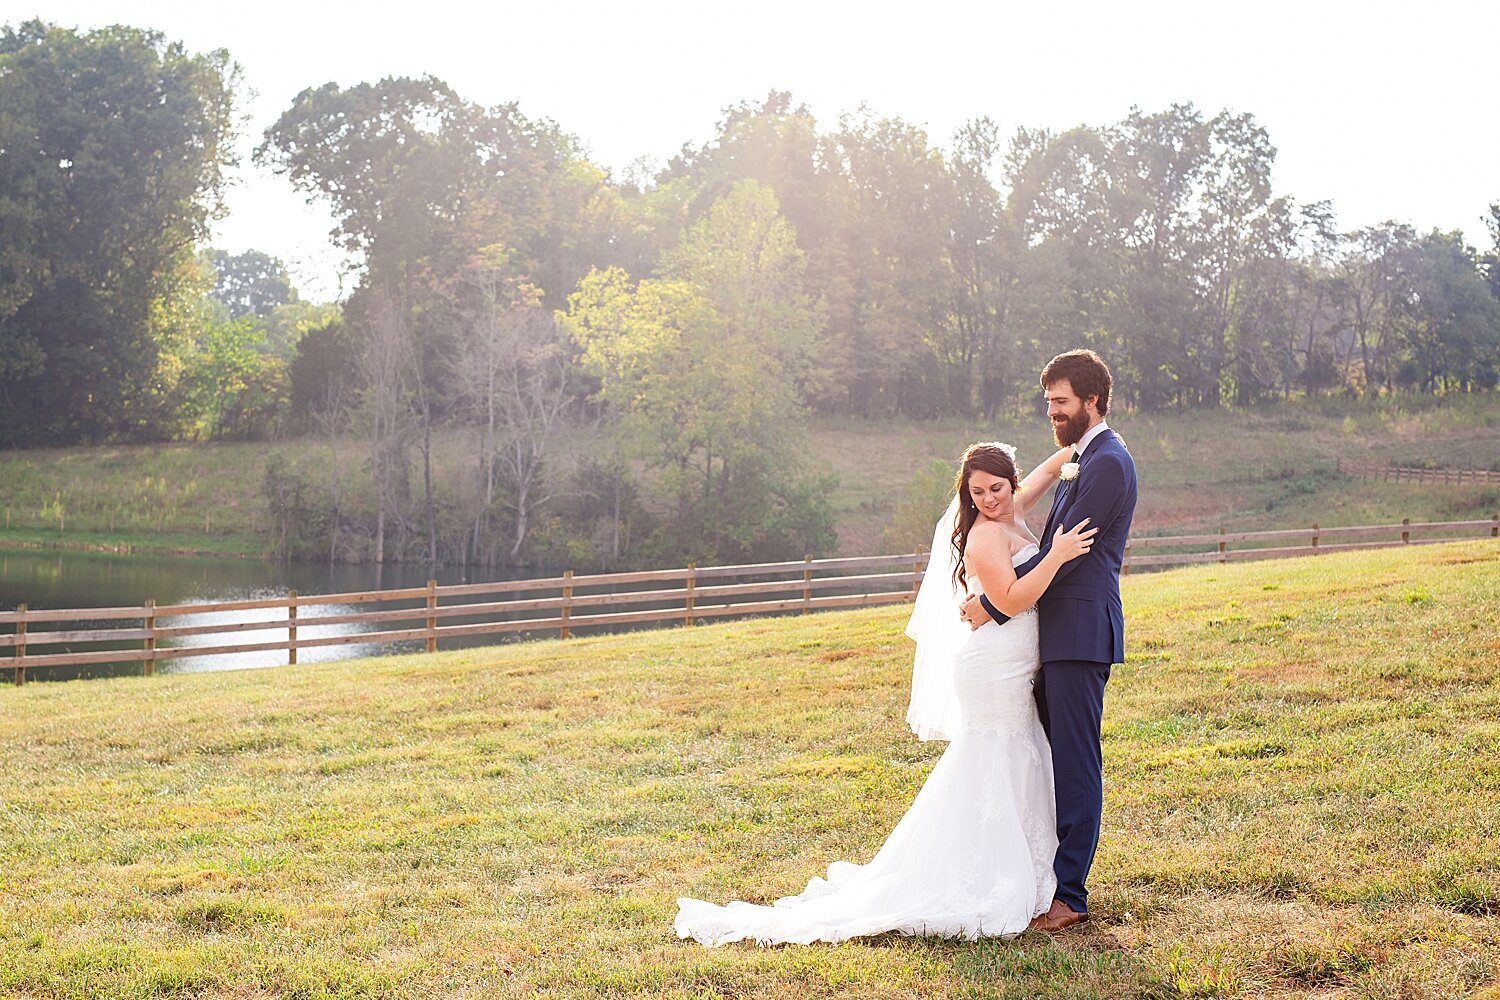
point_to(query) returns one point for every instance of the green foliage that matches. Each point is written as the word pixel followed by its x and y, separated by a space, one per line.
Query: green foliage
pixel 251 283
pixel 702 368
pixel 420 179
pixel 301 522
pixel 323 374
pixel 236 387
pixel 927 495
pixel 99 219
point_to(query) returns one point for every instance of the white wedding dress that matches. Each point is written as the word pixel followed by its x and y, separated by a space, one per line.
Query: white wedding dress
pixel 972 856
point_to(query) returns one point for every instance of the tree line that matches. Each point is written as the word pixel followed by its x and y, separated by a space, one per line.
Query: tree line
pixel 628 361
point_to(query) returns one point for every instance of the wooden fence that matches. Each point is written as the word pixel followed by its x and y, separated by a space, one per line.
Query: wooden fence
pixel 432 613
pixel 1397 474
pixel 1233 546
pixel 561 604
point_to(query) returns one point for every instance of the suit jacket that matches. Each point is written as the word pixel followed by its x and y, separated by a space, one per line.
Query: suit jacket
pixel 1080 615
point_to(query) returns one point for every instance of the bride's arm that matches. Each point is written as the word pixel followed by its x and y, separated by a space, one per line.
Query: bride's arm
pixel 989 557
pixel 1039 479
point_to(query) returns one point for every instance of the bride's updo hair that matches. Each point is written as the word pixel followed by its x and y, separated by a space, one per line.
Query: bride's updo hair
pixel 984 456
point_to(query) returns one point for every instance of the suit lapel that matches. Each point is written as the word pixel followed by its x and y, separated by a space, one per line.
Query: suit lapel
pixel 1056 512
pixel 1065 488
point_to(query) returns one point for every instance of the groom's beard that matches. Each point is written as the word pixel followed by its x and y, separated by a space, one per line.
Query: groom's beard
pixel 1070 431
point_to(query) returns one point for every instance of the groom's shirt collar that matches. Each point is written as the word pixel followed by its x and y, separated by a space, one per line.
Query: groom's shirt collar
pixel 1083 443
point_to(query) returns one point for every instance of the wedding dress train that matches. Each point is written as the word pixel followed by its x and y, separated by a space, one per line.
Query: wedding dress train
pixel 972 856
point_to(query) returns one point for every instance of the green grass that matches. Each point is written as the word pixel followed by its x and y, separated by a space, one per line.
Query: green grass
pixel 1268 468
pixel 187 498
pixel 1301 800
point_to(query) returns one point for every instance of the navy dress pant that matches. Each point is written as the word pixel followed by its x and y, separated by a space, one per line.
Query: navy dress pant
pixel 1070 700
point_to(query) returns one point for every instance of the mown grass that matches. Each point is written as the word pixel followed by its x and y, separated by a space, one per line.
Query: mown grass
pixel 1302 800
pixel 1201 470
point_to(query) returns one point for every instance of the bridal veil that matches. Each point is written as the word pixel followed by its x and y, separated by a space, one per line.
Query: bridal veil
pixel 938 632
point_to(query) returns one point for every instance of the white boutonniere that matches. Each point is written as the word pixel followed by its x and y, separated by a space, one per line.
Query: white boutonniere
pixel 1068 472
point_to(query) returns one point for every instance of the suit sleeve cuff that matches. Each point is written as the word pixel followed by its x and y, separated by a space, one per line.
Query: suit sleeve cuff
pixel 993 611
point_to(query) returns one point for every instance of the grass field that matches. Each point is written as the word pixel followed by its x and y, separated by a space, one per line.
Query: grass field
pixel 1267 468
pixel 1302 799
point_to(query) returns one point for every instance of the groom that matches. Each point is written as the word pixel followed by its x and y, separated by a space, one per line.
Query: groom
pixel 1081 624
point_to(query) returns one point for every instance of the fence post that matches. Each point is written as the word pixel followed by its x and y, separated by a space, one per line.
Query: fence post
pixel 1495 528
pixel 567 610
pixel 1315 535
pixel 21 646
pixel 1405 530
pixel 291 628
pixel 692 579
pixel 150 642
pixel 1223 547
pixel 807 585
pixel 1125 563
pixel 919 564
pixel 432 616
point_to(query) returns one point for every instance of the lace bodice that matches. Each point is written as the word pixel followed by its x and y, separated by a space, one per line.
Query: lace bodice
pixel 971 579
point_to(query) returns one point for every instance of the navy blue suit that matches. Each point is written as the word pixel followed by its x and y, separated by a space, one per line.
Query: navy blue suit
pixel 1082 631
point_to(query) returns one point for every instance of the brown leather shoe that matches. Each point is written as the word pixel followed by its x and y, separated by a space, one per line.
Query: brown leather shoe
pixel 1060 917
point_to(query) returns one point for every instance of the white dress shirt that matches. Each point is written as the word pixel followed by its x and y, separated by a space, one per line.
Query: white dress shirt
pixel 1088 438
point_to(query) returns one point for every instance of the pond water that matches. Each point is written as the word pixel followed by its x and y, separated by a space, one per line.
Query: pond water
pixel 67 579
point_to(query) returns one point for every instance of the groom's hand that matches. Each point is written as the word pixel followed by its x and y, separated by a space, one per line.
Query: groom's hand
pixel 973 612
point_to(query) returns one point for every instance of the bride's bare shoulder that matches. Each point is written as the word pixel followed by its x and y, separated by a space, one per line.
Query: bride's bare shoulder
pixel 987 535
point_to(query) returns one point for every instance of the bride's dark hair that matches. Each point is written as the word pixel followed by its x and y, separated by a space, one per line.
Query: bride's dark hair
pixel 984 456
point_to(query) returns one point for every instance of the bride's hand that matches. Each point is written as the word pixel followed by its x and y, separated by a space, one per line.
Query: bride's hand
pixel 1072 544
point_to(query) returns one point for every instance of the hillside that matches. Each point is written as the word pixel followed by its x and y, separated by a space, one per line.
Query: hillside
pixel 1301 800
pixel 1199 470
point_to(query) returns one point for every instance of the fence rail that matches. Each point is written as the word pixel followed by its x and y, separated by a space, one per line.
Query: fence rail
pixel 1400 474
pixel 432 613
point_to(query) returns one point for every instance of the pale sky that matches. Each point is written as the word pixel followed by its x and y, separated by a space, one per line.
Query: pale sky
pixel 1378 107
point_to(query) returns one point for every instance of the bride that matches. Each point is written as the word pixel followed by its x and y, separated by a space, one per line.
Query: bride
pixel 973 855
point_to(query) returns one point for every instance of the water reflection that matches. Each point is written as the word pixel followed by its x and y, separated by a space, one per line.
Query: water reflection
pixel 269 657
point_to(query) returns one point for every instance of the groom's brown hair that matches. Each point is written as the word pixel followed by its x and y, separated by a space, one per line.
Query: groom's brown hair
pixel 1085 371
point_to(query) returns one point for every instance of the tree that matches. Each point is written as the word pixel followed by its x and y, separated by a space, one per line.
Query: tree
pixel 889 311
pixel 1490 262
pixel 251 283
pixel 515 375
pixel 385 366
pixel 1450 324
pixel 235 387
pixel 419 178
pixel 420 181
pixel 700 366
pixel 112 147
pixel 743 257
